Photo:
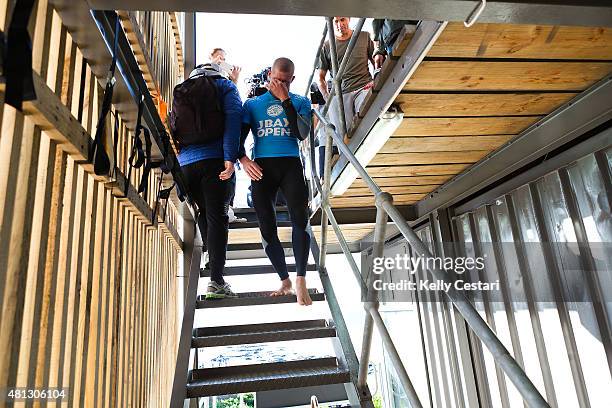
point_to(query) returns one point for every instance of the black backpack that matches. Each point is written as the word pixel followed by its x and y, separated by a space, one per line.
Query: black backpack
pixel 196 116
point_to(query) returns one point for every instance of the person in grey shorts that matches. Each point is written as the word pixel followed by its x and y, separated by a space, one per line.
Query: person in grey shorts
pixel 356 79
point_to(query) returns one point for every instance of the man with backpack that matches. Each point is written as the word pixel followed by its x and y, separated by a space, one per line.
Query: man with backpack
pixel 278 119
pixel 205 123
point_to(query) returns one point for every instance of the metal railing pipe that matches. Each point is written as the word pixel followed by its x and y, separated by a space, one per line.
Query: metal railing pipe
pixel 336 78
pixel 325 195
pixel 337 230
pixel 366 347
pixel 316 61
pixel 499 352
pixel 350 156
pixel 345 249
pixel 380 231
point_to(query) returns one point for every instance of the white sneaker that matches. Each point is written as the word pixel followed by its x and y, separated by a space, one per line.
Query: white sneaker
pixel 217 291
pixel 232 217
pixel 205 258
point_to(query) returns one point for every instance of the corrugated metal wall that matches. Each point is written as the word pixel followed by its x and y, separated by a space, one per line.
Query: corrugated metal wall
pixel 549 243
pixel 87 284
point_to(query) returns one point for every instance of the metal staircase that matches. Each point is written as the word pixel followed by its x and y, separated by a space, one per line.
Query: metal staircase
pixel 198 382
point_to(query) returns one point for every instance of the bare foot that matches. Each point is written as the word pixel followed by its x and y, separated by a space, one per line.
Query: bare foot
pixel 285 289
pixel 303 297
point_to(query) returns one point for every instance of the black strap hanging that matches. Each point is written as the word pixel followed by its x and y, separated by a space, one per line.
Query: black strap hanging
pixel 137 156
pixel 165 195
pixel 164 164
pixel 182 195
pixel 162 194
pixel 141 155
pixel 167 164
pixel 148 164
pixel 115 141
pixel 154 211
pixel 97 153
pixel 17 63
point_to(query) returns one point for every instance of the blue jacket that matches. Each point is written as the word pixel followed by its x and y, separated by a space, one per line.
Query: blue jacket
pixel 227 147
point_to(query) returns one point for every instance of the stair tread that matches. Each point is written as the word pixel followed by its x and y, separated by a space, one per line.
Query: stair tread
pixel 254 298
pixel 244 246
pixel 266 376
pixel 252 270
pixel 255 224
pixel 262 333
pixel 251 210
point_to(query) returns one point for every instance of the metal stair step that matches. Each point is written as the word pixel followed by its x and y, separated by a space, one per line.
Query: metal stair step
pixel 254 298
pixel 246 246
pixel 255 224
pixel 251 210
pixel 262 333
pixel 282 214
pixel 252 270
pixel 268 376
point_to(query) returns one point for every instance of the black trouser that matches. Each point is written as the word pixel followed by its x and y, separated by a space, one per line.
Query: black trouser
pixel 286 174
pixel 212 196
pixel 322 158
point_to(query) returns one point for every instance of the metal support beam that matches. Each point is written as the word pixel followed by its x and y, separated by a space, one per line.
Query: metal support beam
pixel 353 215
pixel 552 12
pixel 597 142
pixel 371 302
pixel 184 353
pixel 337 77
pixel 325 194
pixel 189 227
pixel 190 43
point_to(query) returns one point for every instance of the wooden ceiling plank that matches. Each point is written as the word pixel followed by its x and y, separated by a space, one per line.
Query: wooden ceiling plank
pixel 480 104
pixel 502 125
pixel 506 76
pixel 523 41
pixel 443 144
pixel 428 157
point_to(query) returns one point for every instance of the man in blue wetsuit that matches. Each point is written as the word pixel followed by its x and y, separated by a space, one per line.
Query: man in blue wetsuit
pixel 209 172
pixel 278 119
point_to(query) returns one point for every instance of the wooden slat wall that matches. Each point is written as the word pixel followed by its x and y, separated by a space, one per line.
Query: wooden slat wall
pixel 87 283
pixel 476 89
pixel 155 39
